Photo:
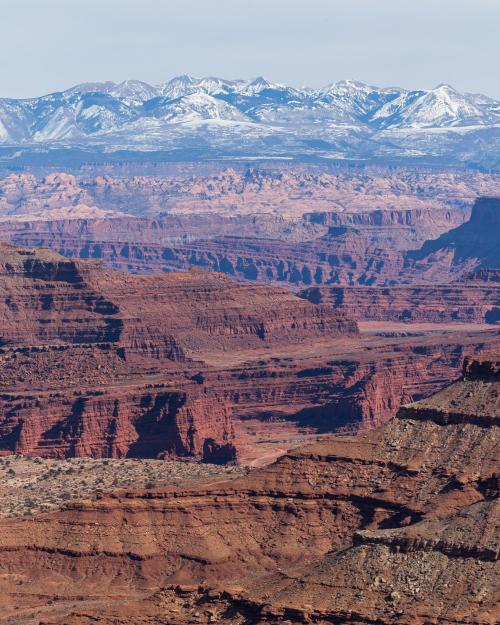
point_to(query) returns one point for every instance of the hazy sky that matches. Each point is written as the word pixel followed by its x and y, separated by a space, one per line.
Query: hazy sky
pixel 49 45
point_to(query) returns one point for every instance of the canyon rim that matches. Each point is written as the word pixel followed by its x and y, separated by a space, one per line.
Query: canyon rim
pixel 249 327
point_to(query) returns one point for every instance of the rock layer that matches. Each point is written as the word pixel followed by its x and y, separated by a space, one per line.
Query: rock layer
pixel 301 228
pixel 96 363
pixel 91 359
pixel 472 245
pixel 371 248
pixel 411 509
pixel 280 189
pixel 474 299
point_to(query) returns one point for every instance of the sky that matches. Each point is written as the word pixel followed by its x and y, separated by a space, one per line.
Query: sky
pixel 50 45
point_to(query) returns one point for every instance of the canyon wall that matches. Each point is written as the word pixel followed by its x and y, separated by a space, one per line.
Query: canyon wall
pixel 258 249
pixel 90 359
pixel 98 363
pixel 117 422
pixel 365 249
pixel 411 508
pixel 473 299
pixel 473 245
pixel 291 227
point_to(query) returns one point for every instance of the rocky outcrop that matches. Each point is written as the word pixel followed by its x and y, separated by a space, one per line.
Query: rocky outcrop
pixel 385 527
pixel 478 368
pixel 410 575
pixel 256 226
pixel 132 422
pixel 287 190
pixel 98 363
pixel 365 248
pixel 473 299
pixel 470 246
pixel 88 355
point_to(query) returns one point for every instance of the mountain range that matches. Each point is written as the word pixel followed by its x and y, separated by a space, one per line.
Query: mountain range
pixel 213 117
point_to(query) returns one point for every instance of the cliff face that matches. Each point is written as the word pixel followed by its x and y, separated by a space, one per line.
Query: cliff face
pixel 257 228
pixel 98 363
pixel 425 223
pixel 208 311
pixel 48 298
pixel 90 359
pixel 118 423
pixel 473 299
pixel 324 248
pixel 410 508
pixel 472 245
pixel 258 249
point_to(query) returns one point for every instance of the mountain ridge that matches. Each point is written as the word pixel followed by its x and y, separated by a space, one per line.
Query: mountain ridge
pixel 230 118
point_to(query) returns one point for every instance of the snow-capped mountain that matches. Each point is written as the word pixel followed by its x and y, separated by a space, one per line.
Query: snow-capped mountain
pixel 259 118
pixel 443 106
pixel 196 106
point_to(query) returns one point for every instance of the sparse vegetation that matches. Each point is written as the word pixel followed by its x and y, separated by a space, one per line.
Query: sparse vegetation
pixel 31 486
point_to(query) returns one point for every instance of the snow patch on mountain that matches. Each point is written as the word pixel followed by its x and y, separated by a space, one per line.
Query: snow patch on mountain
pixel 193 107
pixel 134 91
pixel 347 118
pixel 440 107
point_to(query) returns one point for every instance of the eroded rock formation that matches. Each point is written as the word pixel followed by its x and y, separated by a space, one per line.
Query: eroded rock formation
pixel 475 298
pixel 472 245
pixel 371 248
pixel 98 363
pixel 286 190
pixel 94 362
pixel 297 228
pixel 411 509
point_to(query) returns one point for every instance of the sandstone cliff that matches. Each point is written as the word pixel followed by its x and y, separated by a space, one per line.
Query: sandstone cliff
pixel 293 227
pixel 411 509
pixel 365 248
pixel 473 299
pixel 470 246
pixel 101 364
pixel 92 360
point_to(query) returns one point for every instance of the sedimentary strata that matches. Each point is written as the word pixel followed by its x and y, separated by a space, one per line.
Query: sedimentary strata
pixel 362 248
pixel 284 189
pixel 297 228
pixel 102 364
pixel 410 508
pixel 95 363
pixel 367 249
pixel 475 298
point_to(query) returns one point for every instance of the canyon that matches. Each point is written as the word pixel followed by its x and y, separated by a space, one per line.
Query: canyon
pixel 249 395
pixel 99 363
pixel 409 255
pixel 295 228
pixel 385 527
pixel 475 298
pixel 283 189
pixel 85 372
